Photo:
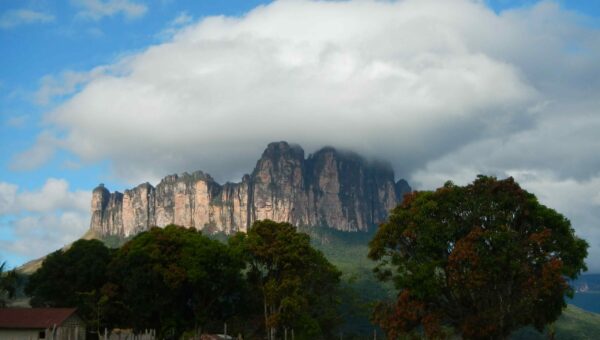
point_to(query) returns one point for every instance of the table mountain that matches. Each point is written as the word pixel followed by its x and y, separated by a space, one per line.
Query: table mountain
pixel 330 188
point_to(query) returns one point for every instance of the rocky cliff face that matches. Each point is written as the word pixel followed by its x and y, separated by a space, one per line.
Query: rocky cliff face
pixel 329 188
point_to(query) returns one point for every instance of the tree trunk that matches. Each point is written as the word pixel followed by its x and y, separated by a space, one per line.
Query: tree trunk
pixel 267 329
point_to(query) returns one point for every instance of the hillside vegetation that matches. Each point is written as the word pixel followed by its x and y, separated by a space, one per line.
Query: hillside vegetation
pixel 348 251
pixel 360 290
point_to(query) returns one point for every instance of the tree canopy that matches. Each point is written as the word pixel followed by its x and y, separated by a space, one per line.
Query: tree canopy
pixel 71 278
pixel 175 278
pixel 483 260
pixel 297 284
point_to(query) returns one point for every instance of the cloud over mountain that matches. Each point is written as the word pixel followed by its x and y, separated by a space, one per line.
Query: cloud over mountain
pixel 443 89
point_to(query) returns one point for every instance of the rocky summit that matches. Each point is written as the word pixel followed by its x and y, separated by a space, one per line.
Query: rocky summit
pixel 334 189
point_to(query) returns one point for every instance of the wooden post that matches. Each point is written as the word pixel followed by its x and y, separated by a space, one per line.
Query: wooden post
pixel 225 329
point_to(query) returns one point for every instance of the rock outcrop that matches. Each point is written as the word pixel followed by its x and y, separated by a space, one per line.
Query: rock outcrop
pixel 330 188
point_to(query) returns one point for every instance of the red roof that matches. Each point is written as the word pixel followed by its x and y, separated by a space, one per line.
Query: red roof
pixel 34 317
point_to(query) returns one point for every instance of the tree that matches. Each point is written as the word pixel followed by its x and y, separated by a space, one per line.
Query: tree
pixel 8 284
pixel 72 278
pixel 484 259
pixel 174 279
pixel 297 284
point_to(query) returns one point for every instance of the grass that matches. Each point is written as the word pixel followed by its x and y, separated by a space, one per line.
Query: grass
pixel 574 323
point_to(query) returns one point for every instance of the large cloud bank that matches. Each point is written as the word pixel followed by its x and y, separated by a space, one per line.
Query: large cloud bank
pixel 442 89
pixel 406 81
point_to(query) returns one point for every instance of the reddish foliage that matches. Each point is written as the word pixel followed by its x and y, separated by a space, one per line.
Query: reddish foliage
pixel 402 317
pixel 484 259
pixel 463 262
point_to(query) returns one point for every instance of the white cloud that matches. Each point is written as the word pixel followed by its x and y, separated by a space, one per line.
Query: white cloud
pixel 37 236
pixel 18 17
pixel 67 82
pixel 98 9
pixel 443 89
pixel 309 72
pixel 181 19
pixel 53 196
pixel 8 194
pixel 43 220
pixel 40 153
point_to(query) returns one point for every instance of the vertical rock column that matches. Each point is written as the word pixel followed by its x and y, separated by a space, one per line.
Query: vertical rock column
pixel 100 197
pixel 138 209
pixel 278 191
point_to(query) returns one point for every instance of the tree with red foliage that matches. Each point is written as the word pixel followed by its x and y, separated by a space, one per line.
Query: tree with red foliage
pixel 481 261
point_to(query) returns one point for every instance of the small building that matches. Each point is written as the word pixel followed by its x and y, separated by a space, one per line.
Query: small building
pixel 41 323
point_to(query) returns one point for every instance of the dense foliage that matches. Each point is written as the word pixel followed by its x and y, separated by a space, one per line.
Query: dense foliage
pixel 481 260
pixel 173 277
pixel 176 280
pixel 298 286
pixel 72 278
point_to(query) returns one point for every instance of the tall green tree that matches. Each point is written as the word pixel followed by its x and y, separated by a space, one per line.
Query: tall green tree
pixel 297 284
pixel 484 259
pixel 173 278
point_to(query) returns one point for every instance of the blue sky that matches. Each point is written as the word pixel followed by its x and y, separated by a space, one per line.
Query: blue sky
pixel 492 97
pixel 66 41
